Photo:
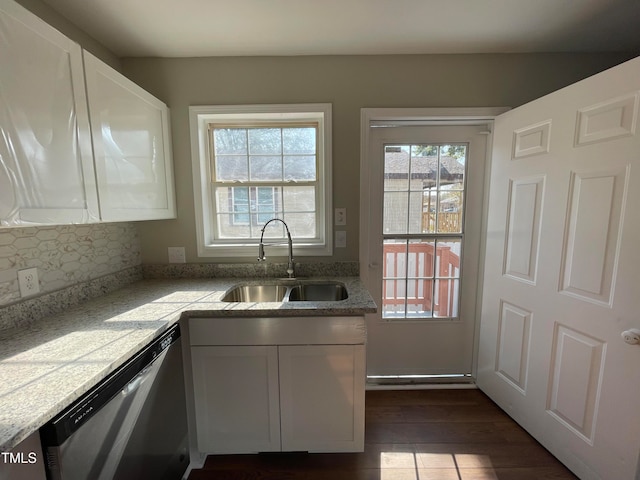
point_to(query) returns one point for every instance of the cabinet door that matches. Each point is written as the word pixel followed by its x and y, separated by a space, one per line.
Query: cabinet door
pixel 322 398
pixel 236 399
pixel 130 131
pixel 46 163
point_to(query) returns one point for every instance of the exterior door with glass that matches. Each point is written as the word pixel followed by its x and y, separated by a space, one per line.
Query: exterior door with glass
pixel 423 212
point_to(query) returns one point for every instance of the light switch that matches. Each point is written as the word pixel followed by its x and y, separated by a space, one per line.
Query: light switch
pixel 341 239
pixel 340 216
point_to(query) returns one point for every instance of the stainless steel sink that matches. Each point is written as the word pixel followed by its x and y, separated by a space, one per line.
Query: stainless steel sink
pixel 256 293
pixel 289 292
pixel 318 292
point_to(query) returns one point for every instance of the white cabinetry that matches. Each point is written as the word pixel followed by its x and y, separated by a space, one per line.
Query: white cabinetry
pixel 236 391
pixel 278 384
pixel 132 151
pixel 46 164
pixel 322 397
pixel 49 171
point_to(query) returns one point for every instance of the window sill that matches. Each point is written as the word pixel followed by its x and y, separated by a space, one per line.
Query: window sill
pixel 299 250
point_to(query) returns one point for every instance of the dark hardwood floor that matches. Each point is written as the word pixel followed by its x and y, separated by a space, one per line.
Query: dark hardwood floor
pixel 411 435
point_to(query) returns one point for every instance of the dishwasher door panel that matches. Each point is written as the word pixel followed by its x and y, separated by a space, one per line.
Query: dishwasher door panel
pixel 140 433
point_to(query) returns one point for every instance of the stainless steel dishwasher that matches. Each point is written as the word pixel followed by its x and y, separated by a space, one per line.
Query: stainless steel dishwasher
pixel 132 425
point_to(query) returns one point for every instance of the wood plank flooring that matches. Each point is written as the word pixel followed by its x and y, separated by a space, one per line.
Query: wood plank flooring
pixel 412 435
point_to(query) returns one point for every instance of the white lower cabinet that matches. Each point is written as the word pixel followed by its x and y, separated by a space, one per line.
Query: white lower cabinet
pixel 322 397
pixel 236 398
pixel 252 399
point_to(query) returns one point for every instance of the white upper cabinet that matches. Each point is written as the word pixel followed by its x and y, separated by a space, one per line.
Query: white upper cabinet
pixel 46 163
pixel 132 151
pixel 49 121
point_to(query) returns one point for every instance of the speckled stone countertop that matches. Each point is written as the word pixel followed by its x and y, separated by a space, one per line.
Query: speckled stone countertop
pixel 47 366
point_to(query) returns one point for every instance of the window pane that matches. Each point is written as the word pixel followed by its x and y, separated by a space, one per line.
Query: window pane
pixel 228 228
pixel 446 298
pixel 228 141
pixel 420 294
pixel 265 168
pixel 393 303
pixel 394 274
pixel 300 168
pixel 452 162
pixel 231 167
pixel 240 205
pixel 429 207
pixel 424 150
pixel 301 225
pixel 418 222
pixel 265 205
pixel 223 199
pixel 424 166
pixel 395 212
pixel 421 255
pixel 450 211
pixel 265 141
pixel 448 258
pixel 299 199
pixel 299 141
pixel 396 167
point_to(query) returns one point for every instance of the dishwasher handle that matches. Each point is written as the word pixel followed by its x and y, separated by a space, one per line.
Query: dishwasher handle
pixel 144 374
pixel 133 385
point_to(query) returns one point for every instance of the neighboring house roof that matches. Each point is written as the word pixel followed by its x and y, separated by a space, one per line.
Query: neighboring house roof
pixel 396 166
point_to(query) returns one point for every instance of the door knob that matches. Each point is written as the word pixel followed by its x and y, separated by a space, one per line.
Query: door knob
pixel 631 336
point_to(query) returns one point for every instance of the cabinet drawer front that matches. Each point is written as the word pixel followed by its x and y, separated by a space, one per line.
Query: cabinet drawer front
pixel 277 331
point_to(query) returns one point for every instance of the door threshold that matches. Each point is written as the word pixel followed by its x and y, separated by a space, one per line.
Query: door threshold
pixel 418 382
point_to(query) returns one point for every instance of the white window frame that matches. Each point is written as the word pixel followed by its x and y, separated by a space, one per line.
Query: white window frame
pixel 200 117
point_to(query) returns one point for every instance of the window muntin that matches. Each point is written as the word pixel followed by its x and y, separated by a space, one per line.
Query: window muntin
pixel 280 155
pixel 422 230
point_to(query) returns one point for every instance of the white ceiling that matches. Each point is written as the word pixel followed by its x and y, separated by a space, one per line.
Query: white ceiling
pixel 188 28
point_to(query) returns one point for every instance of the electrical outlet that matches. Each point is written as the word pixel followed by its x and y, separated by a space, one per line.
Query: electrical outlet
pixel 28 282
pixel 177 255
pixel 340 216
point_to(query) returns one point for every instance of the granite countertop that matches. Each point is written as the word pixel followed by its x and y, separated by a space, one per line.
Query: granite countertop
pixel 46 367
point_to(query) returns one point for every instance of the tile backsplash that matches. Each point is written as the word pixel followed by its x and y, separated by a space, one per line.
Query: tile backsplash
pixel 65 255
pixel 78 262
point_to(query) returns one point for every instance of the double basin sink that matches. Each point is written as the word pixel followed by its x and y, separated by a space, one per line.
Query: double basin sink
pixel 291 291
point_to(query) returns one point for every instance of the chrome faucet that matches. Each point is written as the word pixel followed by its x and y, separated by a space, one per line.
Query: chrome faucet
pixel 261 257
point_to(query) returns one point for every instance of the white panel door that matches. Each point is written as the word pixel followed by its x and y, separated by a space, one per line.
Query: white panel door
pixel 236 398
pixel 131 142
pixel 46 162
pixel 562 273
pixel 322 397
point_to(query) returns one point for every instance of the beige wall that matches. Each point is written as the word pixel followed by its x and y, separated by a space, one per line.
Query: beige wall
pixel 349 83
